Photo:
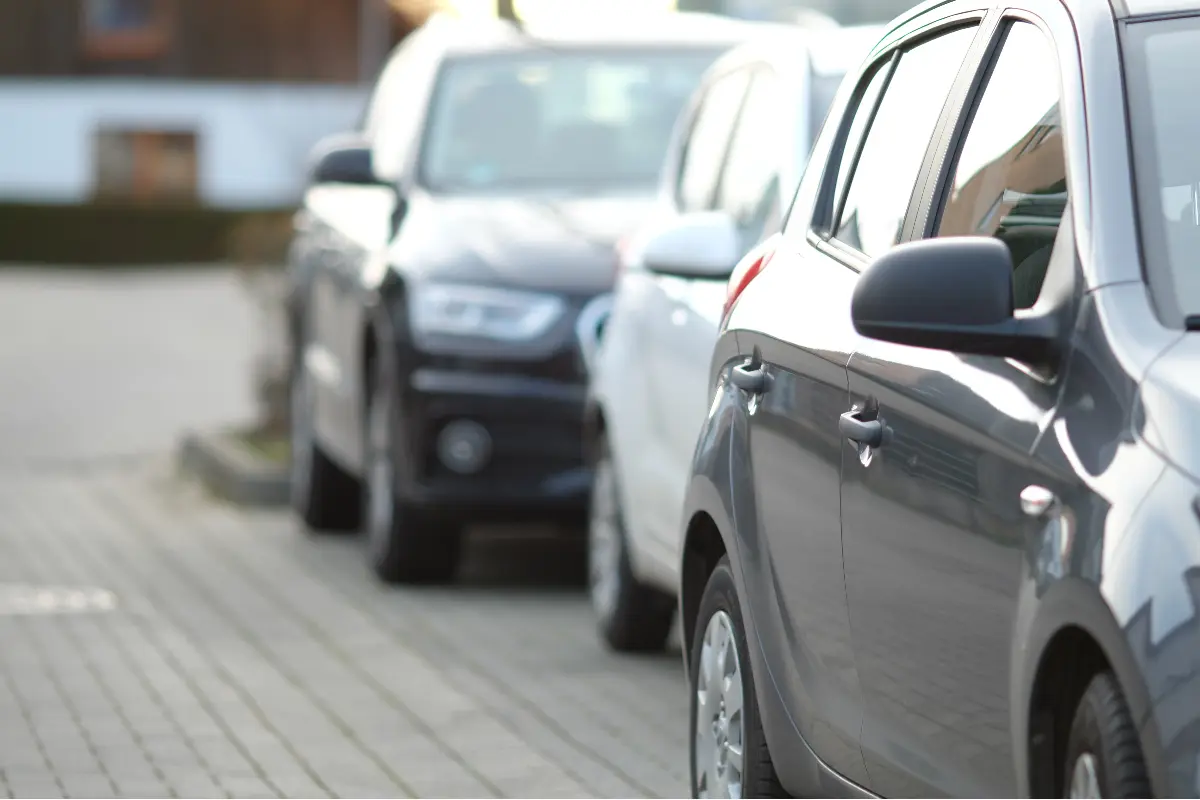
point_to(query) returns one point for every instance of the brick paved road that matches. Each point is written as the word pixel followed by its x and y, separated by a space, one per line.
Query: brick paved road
pixel 242 657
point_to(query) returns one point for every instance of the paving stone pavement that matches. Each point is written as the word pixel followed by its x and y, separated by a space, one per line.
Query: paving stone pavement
pixel 239 656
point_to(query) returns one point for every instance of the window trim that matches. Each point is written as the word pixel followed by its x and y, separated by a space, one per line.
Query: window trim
pixel 954 139
pixel 983 23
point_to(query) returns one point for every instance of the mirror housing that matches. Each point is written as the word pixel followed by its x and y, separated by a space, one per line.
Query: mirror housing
pixel 704 244
pixel 343 159
pixel 954 294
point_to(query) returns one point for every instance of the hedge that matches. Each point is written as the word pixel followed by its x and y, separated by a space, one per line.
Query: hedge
pixel 103 234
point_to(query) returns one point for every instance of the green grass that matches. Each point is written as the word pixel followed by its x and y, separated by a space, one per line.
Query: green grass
pixel 272 447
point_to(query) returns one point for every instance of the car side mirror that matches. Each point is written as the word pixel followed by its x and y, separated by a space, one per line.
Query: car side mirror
pixel 703 244
pixel 343 159
pixel 955 294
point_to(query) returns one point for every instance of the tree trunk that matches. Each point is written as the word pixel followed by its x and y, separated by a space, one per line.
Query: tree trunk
pixel 506 9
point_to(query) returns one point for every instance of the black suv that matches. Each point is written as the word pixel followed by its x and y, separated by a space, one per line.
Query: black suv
pixel 443 255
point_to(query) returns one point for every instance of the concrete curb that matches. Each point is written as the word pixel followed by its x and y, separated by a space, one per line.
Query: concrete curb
pixel 232 472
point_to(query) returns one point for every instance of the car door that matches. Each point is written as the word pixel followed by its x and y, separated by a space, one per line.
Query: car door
pixel 748 190
pixel 931 520
pixel 798 328
pixel 657 471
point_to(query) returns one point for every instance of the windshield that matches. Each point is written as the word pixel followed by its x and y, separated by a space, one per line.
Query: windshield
pixel 571 120
pixel 1162 60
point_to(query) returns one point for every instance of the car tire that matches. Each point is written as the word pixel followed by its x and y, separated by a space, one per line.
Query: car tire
pixel 1104 755
pixel 323 495
pixel 632 616
pixel 724 716
pixel 403 546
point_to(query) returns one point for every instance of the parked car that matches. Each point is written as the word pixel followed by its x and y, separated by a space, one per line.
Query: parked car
pixel 942 535
pixel 729 176
pixel 447 247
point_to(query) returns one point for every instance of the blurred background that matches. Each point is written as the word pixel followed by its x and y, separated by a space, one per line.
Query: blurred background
pixel 168 134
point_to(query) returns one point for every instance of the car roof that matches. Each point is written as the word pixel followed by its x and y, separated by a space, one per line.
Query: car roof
pixel 1125 9
pixel 827 51
pixel 466 37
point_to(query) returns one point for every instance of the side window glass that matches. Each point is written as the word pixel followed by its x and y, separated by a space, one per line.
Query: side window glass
pixel 1011 177
pixel 749 185
pixel 704 152
pixel 872 217
pixel 858 125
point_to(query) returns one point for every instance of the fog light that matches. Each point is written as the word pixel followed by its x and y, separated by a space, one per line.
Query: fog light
pixel 464 446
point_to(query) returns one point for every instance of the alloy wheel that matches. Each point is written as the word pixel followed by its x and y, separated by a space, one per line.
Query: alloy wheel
pixel 604 541
pixel 1085 777
pixel 379 472
pixel 300 410
pixel 720 729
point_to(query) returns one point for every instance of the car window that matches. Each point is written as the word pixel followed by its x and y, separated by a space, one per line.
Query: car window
pixel 1161 58
pixel 1011 177
pixel 868 97
pixel 877 200
pixel 749 184
pixel 704 152
pixel 503 121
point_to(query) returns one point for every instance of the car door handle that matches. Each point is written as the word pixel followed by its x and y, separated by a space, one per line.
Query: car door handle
pixel 869 432
pixel 752 379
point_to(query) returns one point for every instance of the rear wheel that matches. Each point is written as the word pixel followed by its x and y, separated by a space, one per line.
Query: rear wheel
pixel 402 546
pixel 631 615
pixel 729 755
pixel 1104 756
pixel 323 495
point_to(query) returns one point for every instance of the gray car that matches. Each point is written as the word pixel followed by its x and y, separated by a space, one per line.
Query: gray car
pixel 942 535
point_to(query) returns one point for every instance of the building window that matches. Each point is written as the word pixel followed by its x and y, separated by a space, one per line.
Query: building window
pixel 125 29
pixel 146 166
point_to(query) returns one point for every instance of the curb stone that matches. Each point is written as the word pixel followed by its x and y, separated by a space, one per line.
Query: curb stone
pixel 232 471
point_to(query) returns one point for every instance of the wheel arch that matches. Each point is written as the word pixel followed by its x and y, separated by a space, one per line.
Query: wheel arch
pixel 703 548
pixel 1071 635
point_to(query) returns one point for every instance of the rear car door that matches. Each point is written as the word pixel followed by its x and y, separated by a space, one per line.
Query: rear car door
pixel 659 473
pixel 931 521
pixel 794 320
pixel 748 190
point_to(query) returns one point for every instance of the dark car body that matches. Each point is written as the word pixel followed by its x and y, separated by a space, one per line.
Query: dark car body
pixel 373 226
pixel 924 610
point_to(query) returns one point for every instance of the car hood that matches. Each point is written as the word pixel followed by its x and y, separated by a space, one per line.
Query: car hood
pixel 551 244
pixel 1170 405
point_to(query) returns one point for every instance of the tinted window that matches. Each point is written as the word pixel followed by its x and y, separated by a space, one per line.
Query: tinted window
pixel 1163 59
pixel 749 186
pixel 882 185
pixel 565 119
pixel 1011 177
pixel 704 152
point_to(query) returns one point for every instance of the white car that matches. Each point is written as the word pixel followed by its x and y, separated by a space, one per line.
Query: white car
pixel 738 152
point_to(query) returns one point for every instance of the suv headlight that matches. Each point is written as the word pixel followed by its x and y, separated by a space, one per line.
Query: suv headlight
pixel 483 312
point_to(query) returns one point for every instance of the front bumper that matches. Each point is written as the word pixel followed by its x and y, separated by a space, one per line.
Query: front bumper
pixel 536 469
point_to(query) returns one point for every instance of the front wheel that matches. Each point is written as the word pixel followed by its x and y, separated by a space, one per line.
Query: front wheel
pixel 402 546
pixel 729 755
pixel 1104 756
